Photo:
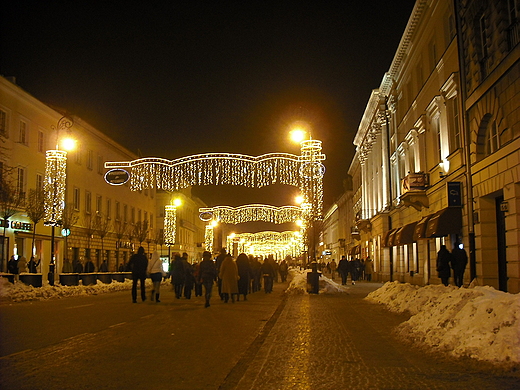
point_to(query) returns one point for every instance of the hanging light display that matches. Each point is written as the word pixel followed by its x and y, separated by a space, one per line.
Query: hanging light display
pixel 264 243
pixel 54 186
pixel 251 212
pixel 170 224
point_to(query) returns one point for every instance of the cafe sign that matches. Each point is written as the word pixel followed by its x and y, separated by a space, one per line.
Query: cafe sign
pixel 16 225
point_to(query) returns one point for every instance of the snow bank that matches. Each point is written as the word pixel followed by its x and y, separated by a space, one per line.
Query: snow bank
pixel 298 284
pixel 480 322
pixel 20 292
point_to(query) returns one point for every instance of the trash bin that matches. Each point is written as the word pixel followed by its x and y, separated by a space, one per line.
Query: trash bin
pixel 88 279
pixel 35 280
pixel 69 279
pixel 105 277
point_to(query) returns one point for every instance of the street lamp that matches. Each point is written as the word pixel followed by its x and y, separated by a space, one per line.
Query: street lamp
pixel 54 187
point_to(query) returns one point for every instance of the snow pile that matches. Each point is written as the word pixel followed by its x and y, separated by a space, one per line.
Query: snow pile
pixel 298 284
pixel 20 292
pixel 480 322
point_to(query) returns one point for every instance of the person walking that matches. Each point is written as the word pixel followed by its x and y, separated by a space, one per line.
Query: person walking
pixel 178 275
pixel 283 269
pixel 207 275
pixel 189 279
pixel 444 260
pixel 459 260
pixel 333 267
pixel 156 273
pixel 33 265
pixel 268 273
pixel 89 266
pixel 138 263
pixel 343 270
pixel 22 265
pixel 67 267
pixel 220 258
pixel 12 265
pixel 369 269
pixel 228 274
pixel 244 274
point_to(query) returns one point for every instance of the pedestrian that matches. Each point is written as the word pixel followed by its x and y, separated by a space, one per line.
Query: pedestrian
pixel 343 268
pixel 12 265
pixel 22 265
pixel 138 263
pixel 244 274
pixel 354 269
pixel 268 273
pixel 443 264
pixel 33 265
pixel 207 275
pixel 256 268
pixel 369 268
pixel 333 267
pixel 156 274
pixel 283 269
pixel 77 266
pixel 67 267
pixel 103 267
pixel 198 284
pixel 89 266
pixel 228 274
pixel 459 260
pixel 178 274
pixel 189 280
pixel 220 258
pixel 121 267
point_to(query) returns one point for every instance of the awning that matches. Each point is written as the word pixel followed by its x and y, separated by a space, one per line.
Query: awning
pixel 393 235
pixel 420 228
pixel 444 222
pixel 386 238
pixel 355 250
pixel 405 234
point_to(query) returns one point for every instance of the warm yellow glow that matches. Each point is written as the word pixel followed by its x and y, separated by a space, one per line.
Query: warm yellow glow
pixel 68 144
pixel 297 134
pixel 232 235
pixel 299 222
pixel 177 202
pixel 214 223
pixel 299 199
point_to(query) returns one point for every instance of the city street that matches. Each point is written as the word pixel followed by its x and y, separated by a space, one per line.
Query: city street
pixel 272 341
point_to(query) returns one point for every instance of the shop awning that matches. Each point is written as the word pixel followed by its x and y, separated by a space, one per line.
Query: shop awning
pixel 405 234
pixel 355 250
pixel 420 228
pixel 386 238
pixel 444 222
pixel 393 235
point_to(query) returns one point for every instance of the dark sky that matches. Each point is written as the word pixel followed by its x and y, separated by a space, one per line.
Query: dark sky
pixel 178 78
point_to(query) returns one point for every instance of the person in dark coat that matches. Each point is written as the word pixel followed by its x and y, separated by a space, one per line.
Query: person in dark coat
pixel 89 266
pixel 343 270
pixel 283 269
pixel 138 264
pixel 244 274
pixel 268 273
pixel 443 264
pixel 77 266
pixel 219 260
pixel 207 275
pixel 459 260
pixel 33 265
pixel 189 280
pixel 354 269
pixel 12 265
pixel 178 273
pixel 103 267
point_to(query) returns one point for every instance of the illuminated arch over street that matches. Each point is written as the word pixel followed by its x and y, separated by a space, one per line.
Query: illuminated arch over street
pixel 251 212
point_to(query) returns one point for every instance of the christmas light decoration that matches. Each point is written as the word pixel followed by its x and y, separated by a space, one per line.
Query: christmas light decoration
pixel 264 243
pixel 170 224
pixel 251 212
pixel 208 238
pixel 54 186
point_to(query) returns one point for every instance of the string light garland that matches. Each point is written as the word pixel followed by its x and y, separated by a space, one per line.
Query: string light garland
pixel 170 224
pixel 264 243
pixel 251 212
pixel 54 186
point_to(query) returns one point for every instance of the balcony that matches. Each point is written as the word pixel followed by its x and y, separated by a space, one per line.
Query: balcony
pixel 413 190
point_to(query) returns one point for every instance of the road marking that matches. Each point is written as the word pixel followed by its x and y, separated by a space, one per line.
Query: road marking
pixel 75 307
pixel 14 354
pixel 113 326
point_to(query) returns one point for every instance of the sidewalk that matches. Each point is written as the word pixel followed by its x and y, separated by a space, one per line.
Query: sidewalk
pixel 341 341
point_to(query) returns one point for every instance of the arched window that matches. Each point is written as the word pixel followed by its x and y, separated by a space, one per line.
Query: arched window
pixel 492 140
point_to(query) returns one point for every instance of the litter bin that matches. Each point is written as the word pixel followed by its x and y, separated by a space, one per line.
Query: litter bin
pixel 105 277
pixel 69 279
pixel 35 280
pixel 88 279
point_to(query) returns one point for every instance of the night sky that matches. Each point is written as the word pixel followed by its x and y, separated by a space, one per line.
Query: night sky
pixel 175 78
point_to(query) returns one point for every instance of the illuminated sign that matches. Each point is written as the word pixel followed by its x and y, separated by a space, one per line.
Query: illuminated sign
pixel 16 225
pixel 117 177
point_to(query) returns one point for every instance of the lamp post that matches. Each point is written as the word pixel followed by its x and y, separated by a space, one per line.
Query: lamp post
pixel 54 188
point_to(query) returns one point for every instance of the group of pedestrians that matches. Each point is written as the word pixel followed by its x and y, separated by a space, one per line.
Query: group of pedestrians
pixel 356 268
pixel 19 265
pixel 455 261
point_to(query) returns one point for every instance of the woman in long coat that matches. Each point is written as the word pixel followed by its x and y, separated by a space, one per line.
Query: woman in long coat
pixel 244 273
pixel 229 275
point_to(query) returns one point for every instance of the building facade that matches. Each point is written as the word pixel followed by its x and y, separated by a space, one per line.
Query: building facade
pixel 101 222
pixel 438 147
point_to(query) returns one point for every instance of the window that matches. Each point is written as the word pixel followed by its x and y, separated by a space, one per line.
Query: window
pixel 20 181
pixel 99 204
pixel 139 216
pixel 39 181
pixel 100 164
pixel 118 211
pixel 432 49
pixel 88 202
pixel 454 118
pixel 484 36
pixel 3 124
pixel 41 141
pixel 76 198
pixel 78 155
pixel 90 159
pixel 109 208
pixel 512 6
pixel 22 134
pixel 132 215
pixel 125 213
pixel 492 141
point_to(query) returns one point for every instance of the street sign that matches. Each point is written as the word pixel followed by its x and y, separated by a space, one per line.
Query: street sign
pixel 117 177
pixel 454 194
